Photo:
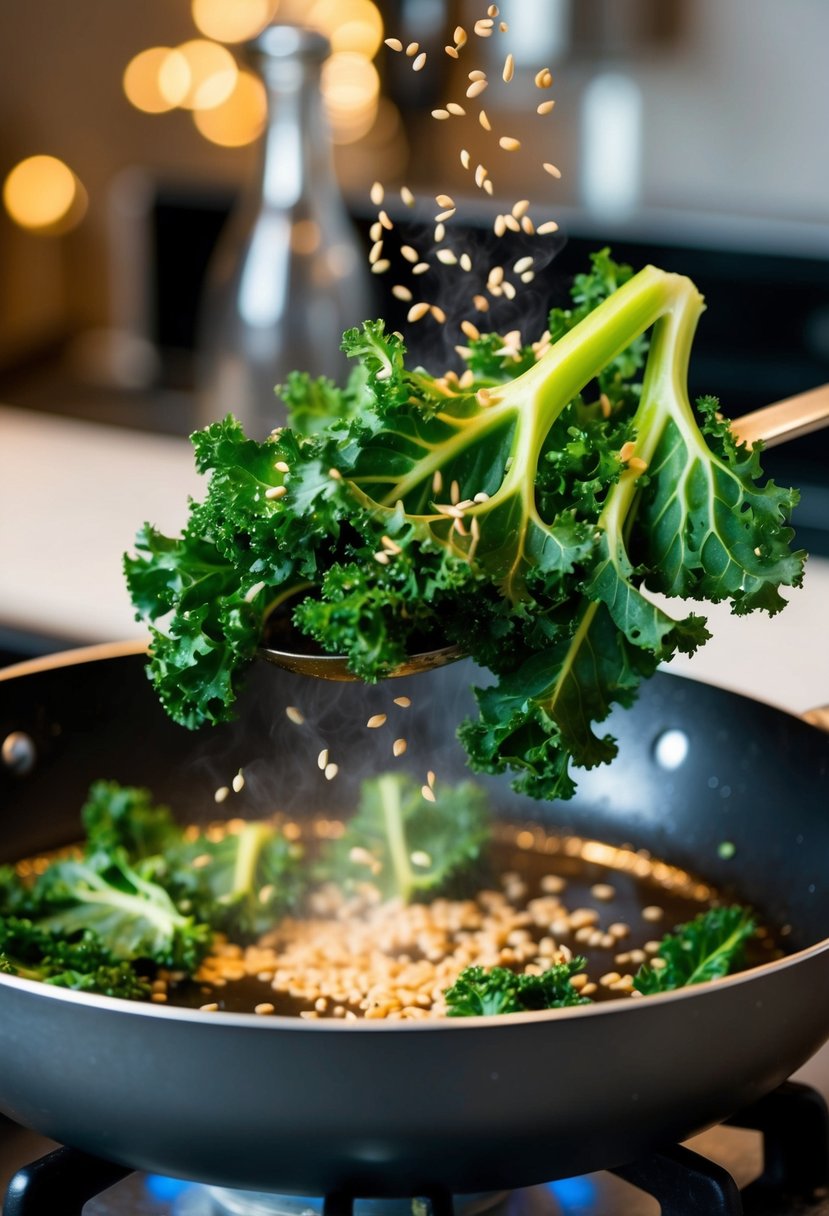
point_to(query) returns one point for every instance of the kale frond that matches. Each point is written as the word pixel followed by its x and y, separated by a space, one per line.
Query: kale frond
pixel 706 948
pixel 479 992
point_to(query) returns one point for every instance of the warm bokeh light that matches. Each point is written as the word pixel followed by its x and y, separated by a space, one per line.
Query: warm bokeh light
pixel 42 194
pixel 213 74
pixel 350 25
pixel 240 119
pixel 350 88
pixel 232 20
pixel 156 79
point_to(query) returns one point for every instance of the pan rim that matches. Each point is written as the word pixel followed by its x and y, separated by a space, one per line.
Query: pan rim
pixel 135 646
pixel 284 1022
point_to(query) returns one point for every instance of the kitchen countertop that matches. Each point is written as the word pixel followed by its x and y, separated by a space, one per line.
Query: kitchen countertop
pixel 73 493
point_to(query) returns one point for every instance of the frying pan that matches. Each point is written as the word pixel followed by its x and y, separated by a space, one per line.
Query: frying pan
pixel 404 1108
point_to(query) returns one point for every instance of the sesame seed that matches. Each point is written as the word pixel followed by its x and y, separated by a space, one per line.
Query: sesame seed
pixel 381 267
pixel 409 253
pixel 399 746
pixel 394 44
pixel 412 49
pixel 483 27
pixel 637 464
pixel 440 233
pixel 483 397
pixel 452 52
pixel 476 74
pixel 482 496
pixel 492 11
pixel 210 1007
pixel 612 977
pixel 437 486
pixel 400 292
pixel 335 474
pixel 460 36
pixel 331 771
pixel 390 546
pixel 543 78
pixel 282 467
pixel 508 290
pixel 276 492
pixel 547 227
pixel 403 702
pixel 553 170
pixel 652 913
pixel 420 62
pixel 476 88
pixel 545 107
pixel 509 144
pixel 440 115
pixel 407 197
pixel 496 275
pixel 483 119
pixel 264 1008
pixel 454 493
pixel 417 311
pixel 221 793
pixel 160 998
pixel 295 715
pixel 430 779
pixel 445 215
pixel 481 303
pixel 381 557
pixel 238 782
pixel 438 314
pixel 528 276
pixel 499 227
pixel 509 69
pixel 322 759
pixel 385 221
pixel 447 257
pixel 512 223
pixel 376 720
pixel 626 451
pixel 465 159
pixel 376 250
pixel 428 793
pixel 618 929
pixel 376 230
pixel 465 262
pixel 454 108
pixel 470 330
pixel 480 174
pixel 377 194
pixel 523 264
pixel 603 891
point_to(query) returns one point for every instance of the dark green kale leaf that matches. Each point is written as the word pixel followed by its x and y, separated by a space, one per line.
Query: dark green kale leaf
pixel 706 948
pixel 125 817
pixel 480 993
pixel 86 965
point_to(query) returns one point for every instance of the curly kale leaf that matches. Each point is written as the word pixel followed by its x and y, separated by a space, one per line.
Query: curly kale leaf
pixel 480 993
pixel 126 817
pixel 86 965
pixel 407 846
pixel 706 948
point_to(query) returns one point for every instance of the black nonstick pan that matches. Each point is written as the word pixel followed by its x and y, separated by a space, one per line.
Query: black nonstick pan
pixel 403 1108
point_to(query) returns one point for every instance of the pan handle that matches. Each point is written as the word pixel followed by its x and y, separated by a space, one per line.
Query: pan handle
pixel 786 419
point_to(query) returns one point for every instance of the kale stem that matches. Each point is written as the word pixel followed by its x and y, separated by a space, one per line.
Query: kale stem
pixel 389 790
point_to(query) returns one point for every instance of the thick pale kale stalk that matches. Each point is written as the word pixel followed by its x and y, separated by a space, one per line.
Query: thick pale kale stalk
pixel 512 521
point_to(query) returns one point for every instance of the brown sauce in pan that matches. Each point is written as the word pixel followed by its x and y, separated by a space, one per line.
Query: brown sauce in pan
pixel 608 904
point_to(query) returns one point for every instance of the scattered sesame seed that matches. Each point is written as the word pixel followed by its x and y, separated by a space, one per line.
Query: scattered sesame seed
pixel 264 1008
pixel 483 119
pixel 294 715
pixel 385 221
pixel 375 252
pixel 553 170
pixel 331 771
pixel 322 759
pixel 409 253
pixel 440 115
pixel 626 451
pixel 428 793
pixel 417 311
pixel 509 69
pixel 460 36
pixel 483 27
pixel 394 44
pixel 406 196
pixel 481 496
pixel 481 303
pixel 381 267
pixel 470 330
pixel 430 779
pixel 603 891
pixel 447 257
pixel 437 486
pixel 376 720
pixel 282 467
pixel 420 62
pixel 376 230
pixel 412 49
pixel 440 233
pixel 400 292
pixel 652 913
pixel 438 313
pixel 399 746
pixel 403 702
pixel 509 144
pixel 637 464
pixel 381 557
pixel 528 276
pixel 420 858
pixel 508 290
pixel 335 474
pixel 276 492
pixel 454 108
pixel 221 793
pixel 476 74
pixel 543 78
pixel 476 88
pixel 238 782
pixel 492 11
pixel 480 175
pixel 545 107
pixel 547 227
pixel 612 977
pixel 466 262
pixel 465 159
pixel 452 52
pixel 160 998
pixel 523 264
pixel 377 194
pixel 445 215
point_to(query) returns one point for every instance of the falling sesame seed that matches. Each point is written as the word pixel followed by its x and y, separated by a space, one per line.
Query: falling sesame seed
pixel 551 169
pixel 476 88
pixel 420 268
pixel 420 62
pixel 409 253
pixel 376 250
pixel 481 303
pixel 238 782
pixel 509 143
pixel 375 721
pixel 452 52
pixel 483 27
pixel 503 27
pixel 417 311
pixel 496 275
pixel 444 200
pixel 406 196
pixel 465 158
pixel 403 702
pixel 521 208
pixel 385 221
pixel 282 466
pixel 264 1008
pixel 483 119
pixel 603 891
pixel 480 175
pixel 276 492
pixel 499 227
pixel 460 36
pixel 400 292
pixel 322 759
pixel 454 493
pixel 509 69
pixel 430 779
pixel 440 115
pixel 399 746
pixel 509 291
pixel 381 557
pixel 335 474
pixel 454 108
pixel 376 230
pixel 381 267
pixel 377 194
pixel 476 74
pixel 545 107
pixel 428 793
pixel 445 215
pixel 492 11
pixel 438 314
pixel 221 793
pixel 481 496
pixel 652 913
pixel 465 262
pixel 437 486
pixel 523 264
pixel 637 464
pixel 420 858
pixel 440 233
pixel 390 546
pixel 528 276
pixel 547 227
pixel 512 223
pixel 626 451
pixel 527 225
pixel 447 257
pixel 543 78
pixel 470 330
pixel 412 49
pixel 294 715
pixel 331 771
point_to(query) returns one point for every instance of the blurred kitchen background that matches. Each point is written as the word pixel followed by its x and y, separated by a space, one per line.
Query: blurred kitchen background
pixel 691 133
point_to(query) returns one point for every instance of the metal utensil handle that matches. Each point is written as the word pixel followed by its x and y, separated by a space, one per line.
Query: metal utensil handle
pixel 785 419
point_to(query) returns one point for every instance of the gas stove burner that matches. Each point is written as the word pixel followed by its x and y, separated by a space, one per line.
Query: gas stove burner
pixel 793 1122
